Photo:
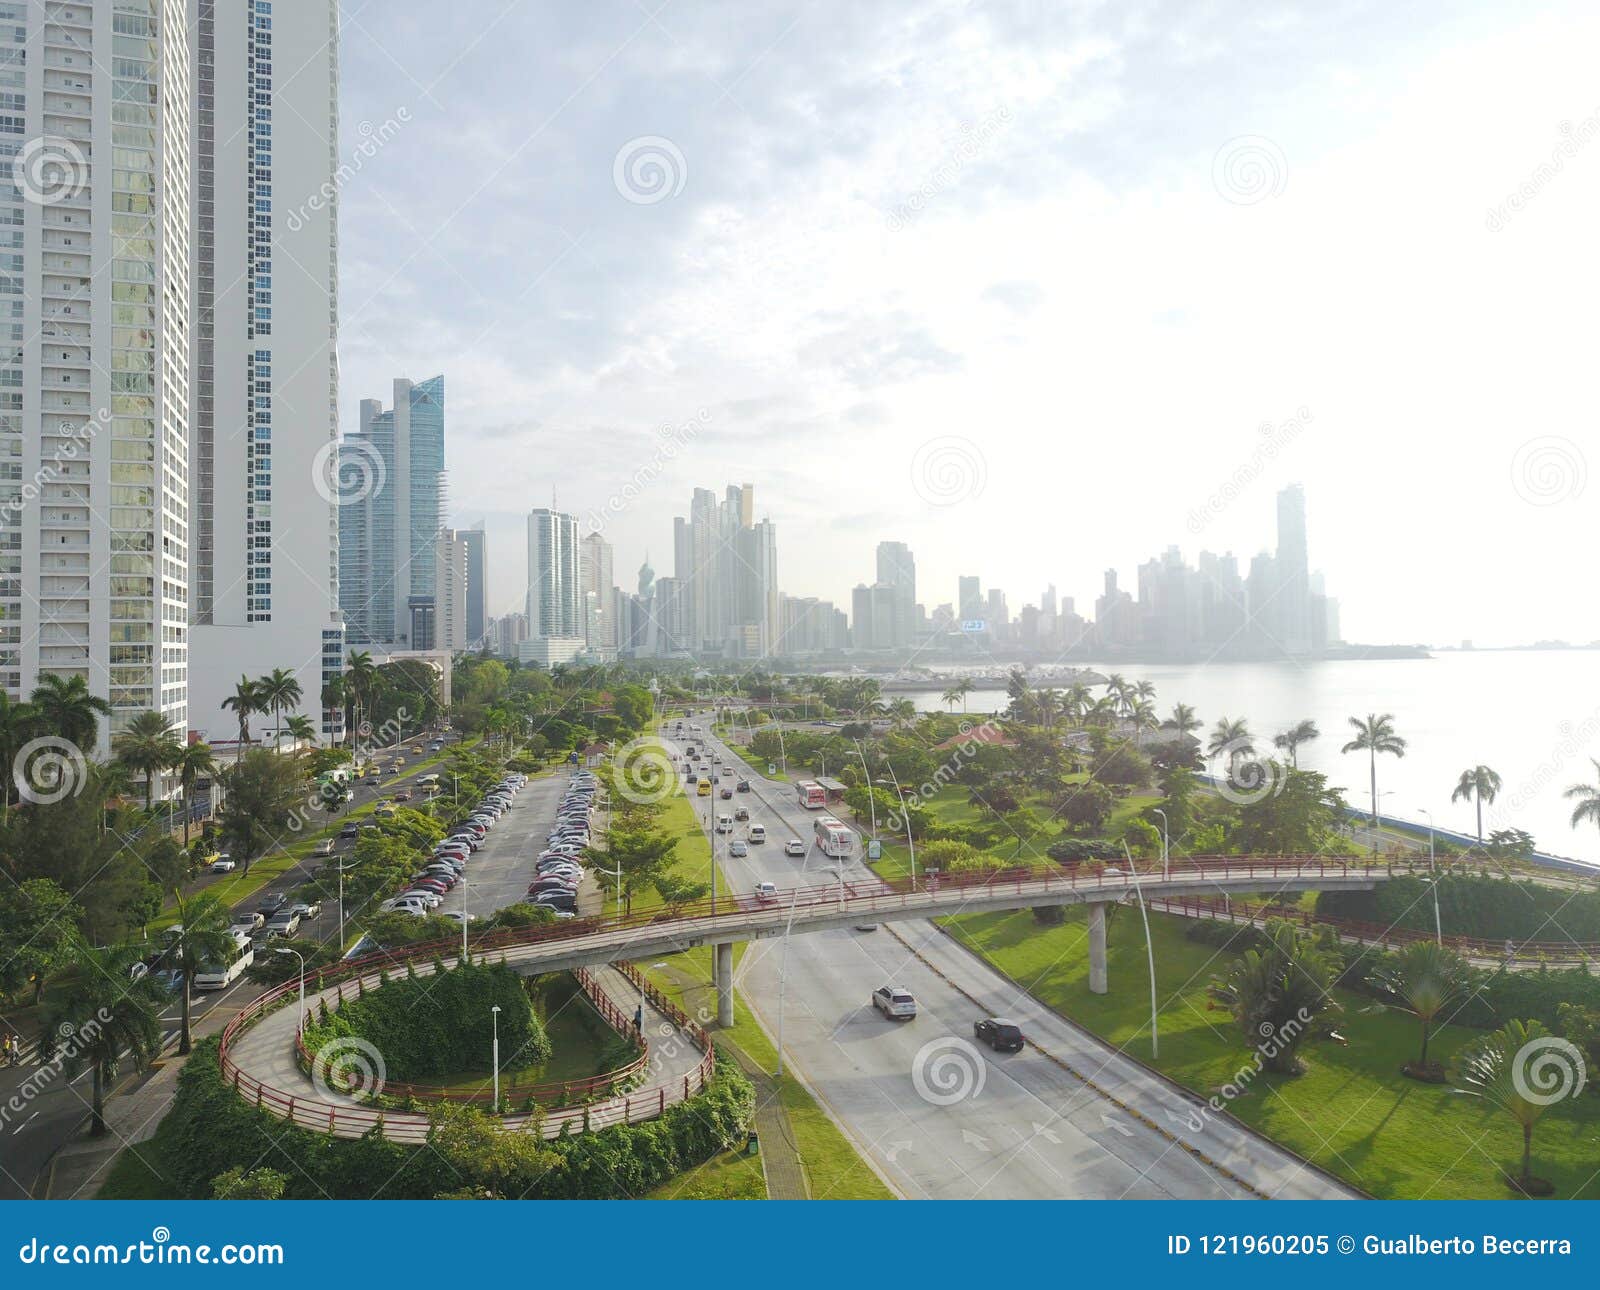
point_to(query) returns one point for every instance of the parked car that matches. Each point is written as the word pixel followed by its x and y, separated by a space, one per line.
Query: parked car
pixel 270 903
pixel 249 921
pixel 1001 1035
pixel 349 833
pixel 285 924
pixel 222 864
pixel 794 847
pixel 894 1003
pixel 307 909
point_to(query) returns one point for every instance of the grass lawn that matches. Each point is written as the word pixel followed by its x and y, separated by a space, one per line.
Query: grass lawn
pixel 1352 1112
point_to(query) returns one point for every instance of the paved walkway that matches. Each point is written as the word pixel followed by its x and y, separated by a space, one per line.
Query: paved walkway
pixel 265 1053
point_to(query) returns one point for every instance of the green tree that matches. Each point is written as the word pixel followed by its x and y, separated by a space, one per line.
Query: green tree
pixel 1183 720
pixel 147 745
pixel 259 1183
pixel 1231 738
pixel 1289 740
pixel 18 722
pixel 100 1019
pixel 1496 1069
pixel 301 729
pixel 1375 734
pixel 1294 816
pixel 280 692
pixel 488 1159
pixel 1587 797
pixel 1426 978
pixel 1280 994
pixel 1480 785
pixel 194 762
pixel 37 933
pixel 264 792
pixel 65 707
pixel 202 938
pixel 244 703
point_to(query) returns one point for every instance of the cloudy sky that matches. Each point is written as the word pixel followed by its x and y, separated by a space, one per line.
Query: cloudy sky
pixel 1037 288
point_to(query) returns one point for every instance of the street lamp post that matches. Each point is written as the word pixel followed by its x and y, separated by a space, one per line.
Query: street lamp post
pixel 1433 880
pixel 1150 952
pixel 911 841
pixel 494 1017
pixel 783 962
pixel 872 797
pixel 286 950
pixel 1166 859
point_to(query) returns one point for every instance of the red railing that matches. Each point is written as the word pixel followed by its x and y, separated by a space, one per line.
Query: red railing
pixel 563 1093
pixel 697 921
pixel 1239 911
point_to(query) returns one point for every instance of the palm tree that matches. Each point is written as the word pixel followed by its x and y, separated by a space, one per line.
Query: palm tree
pixel 1375 735
pixel 1231 737
pixel 1279 990
pixel 1587 797
pixel 194 763
pixel 1118 689
pixel 244 702
pixel 1497 1070
pixel 1142 713
pixel 66 707
pixel 280 692
pixel 301 728
pixel 17 724
pixel 951 697
pixel 1184 719
pixel 1427 978
pixel 100 1017
pixel 360 675
pixel 1076 702
pixel 203 938
pixel 333 697
pixel 1302 732
pixel 147 746
pixel 1482 785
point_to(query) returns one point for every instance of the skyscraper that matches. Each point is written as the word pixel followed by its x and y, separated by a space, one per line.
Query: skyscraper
pixel 555 588
pixel 390 490
pixel 94 373
pixel 1294 572
pixel 897 568
pixel 599 609
pixel 452 586
pixel 728 567
pixel 477 571
pixel 264 576
pixel 969 599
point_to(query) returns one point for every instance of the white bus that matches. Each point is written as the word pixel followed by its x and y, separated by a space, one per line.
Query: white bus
pixel 810 795
pixel 211 976
pixel 834 839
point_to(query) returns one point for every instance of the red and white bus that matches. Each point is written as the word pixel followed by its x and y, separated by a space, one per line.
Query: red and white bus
pixel 811 794
pixel 834 839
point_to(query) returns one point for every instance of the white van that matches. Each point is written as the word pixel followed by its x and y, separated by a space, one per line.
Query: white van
pixel 758 833
pixel 724 824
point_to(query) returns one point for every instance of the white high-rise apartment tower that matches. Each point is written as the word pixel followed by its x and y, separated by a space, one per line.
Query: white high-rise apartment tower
pixel 94 367
pixel 265 365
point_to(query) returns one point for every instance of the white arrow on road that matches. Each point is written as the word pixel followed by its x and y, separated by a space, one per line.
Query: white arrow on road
pixel 974 1140
pixel 1047 1133
pixel 1118 1125
pixel 895 1148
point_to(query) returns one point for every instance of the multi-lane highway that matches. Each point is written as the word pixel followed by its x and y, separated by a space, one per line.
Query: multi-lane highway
pixel 939 1116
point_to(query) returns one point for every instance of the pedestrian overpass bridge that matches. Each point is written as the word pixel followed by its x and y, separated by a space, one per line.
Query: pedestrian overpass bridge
pixel 275 1080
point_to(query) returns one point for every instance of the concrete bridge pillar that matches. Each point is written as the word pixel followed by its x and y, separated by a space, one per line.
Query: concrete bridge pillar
pixel 1097 947
pixel 722 963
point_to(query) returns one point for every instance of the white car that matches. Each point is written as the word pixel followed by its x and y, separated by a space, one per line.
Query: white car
pixel 766 892
pixel 794 847
pixel 222 864
pixel 894 1003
